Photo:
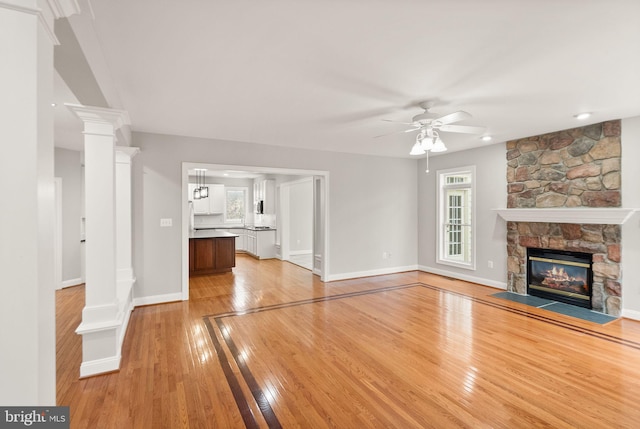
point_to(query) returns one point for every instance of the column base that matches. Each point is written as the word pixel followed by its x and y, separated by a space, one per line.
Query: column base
pixel 102 339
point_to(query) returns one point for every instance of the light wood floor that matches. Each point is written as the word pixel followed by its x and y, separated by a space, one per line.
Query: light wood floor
pixel 269 345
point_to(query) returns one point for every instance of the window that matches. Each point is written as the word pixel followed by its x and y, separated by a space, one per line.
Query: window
pixel 235 204
pixel 456 220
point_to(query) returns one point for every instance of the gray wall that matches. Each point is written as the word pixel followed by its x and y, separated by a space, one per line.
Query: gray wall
pixel 301 216
pixel 372 204
pixel 68 167
pixel 491 192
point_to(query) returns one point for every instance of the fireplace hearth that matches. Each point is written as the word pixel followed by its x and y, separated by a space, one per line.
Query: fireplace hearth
pixel 560 275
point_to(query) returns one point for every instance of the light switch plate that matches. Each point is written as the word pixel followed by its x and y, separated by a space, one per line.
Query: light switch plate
pixel 166 222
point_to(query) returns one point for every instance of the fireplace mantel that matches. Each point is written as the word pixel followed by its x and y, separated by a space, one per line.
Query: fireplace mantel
pixel 602 216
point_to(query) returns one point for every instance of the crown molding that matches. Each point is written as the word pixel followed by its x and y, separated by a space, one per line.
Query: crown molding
pixel 601 216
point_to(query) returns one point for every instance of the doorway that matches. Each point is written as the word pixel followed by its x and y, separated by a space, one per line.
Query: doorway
pixel 319 188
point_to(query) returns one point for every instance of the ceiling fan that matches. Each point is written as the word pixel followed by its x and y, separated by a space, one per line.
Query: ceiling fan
pixel 435 122
pixel 430 124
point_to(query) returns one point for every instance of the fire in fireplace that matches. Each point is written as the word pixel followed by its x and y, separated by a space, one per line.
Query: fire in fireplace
pixel 560 275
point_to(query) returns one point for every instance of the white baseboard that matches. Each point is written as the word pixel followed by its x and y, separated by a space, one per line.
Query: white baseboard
pixel 465 277
pixel 157 299
pixel 99 366
pixel 377 272
pixel 300 252
pixel 125 323
pixel 631 314
pixel 71 282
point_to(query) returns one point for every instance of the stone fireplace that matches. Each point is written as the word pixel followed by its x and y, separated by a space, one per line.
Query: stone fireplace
pixel 577 171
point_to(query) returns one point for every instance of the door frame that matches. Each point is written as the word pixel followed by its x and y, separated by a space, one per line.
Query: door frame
pixel 321 213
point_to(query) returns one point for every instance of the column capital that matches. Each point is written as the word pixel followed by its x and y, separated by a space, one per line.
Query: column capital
pixel 101 115
pixel 104 121
pixel 124 153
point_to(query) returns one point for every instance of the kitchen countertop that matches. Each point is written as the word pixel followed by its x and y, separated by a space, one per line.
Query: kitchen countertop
pixel 248 227
pixel 210 233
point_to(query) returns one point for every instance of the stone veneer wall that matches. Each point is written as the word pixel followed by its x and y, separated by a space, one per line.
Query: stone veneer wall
pixel 572 168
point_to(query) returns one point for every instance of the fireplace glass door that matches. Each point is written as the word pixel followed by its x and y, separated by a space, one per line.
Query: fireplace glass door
pixel 560 276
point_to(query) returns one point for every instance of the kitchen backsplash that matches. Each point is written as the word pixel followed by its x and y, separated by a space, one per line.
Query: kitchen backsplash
pixel 217 221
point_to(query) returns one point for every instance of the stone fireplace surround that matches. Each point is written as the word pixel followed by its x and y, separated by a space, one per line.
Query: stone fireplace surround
pixel 563 193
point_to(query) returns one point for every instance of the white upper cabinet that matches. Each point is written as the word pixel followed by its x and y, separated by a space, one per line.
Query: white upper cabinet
pixel 265 190
pixel 216 199
pixel 213 204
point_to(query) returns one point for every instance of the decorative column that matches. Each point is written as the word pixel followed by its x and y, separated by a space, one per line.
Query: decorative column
pixel 27 307
pixel 125 278
pixel 103 322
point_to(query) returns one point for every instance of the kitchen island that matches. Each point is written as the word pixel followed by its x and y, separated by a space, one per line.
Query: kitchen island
pixel 211 252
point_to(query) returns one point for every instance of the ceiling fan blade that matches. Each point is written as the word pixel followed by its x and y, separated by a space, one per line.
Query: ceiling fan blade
pixel 397 132
pixel 460 115
pixel 461 129
pixel 397 122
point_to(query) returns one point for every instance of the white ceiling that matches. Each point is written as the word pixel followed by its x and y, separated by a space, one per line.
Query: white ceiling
pixel 323 74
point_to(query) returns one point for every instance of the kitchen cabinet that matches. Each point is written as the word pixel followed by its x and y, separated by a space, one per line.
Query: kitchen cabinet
pixel 261 244
pixel 241 239
pixel 265 190
pixel 216 199
pixel 212 255
pixel 213 204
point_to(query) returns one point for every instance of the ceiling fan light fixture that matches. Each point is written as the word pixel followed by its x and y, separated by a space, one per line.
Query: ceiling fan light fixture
pixel 417 149
pixel 438 146
pixel 427 143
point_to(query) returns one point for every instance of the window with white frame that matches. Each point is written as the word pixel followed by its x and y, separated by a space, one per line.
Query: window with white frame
pixel 235 204
pixel 456 220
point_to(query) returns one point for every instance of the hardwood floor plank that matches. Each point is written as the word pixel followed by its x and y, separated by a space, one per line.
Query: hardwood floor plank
pixel 404 350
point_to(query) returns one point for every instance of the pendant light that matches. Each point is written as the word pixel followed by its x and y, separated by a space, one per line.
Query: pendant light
pixel 204 190
pixel 196 191
pixel 200 191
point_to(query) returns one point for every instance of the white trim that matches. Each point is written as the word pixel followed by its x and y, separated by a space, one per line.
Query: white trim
pixel 187 165
pixel 71 282
pixel 46 23
pixel 64 8
pixel 91 328
pixel 57 239
pixel 100 366
pixel 376 272
pixel 124 154
pixel 157 299
pixel 631 314
pixel 300 252
pixel 601 216
pixel 442 207
pixel 101 115
pixel 125 324
pixel 467 278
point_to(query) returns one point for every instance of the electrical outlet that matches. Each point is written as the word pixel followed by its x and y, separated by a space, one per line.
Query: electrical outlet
pixel 166 222
pixel 386 255
pixel 490 264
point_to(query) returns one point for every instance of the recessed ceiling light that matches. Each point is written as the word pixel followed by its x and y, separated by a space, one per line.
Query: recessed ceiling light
pixel 582 116
pixel 486 138
pixel 53 104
